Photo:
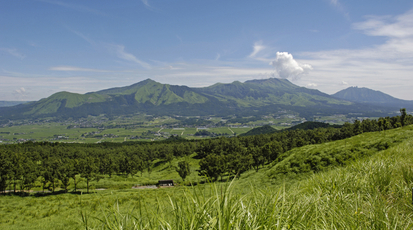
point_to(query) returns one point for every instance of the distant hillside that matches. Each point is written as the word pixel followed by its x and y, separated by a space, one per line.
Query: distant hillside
pixel 309 125
pixel 369 96
pixel 11 103
pixel 244 99
pixel 260 130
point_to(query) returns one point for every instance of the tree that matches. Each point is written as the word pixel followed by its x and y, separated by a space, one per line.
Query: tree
pixel 66 171
pixel 239 163
pixel 257 156
pixel 5 167
pixel 183 169
pixel 17 169
pixel 271 150
pixel 212 166
pixel 77 168
pixel 357 128
pixel 403 116
pixel 89 171
pixel 30 174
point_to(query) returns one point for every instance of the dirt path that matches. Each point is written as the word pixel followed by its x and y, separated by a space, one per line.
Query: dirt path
pixel 231 130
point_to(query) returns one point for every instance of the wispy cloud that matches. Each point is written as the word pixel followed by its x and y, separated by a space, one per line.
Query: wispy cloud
pixel 13 52
pixel 79 69
pixel 258 47
pixel 79 8
pixel 179 38
pixel 334 2
pixel 122 54
pixel 146 3
pixel 84 37
pixel 387 26
pixel 340 8
pixel 381 67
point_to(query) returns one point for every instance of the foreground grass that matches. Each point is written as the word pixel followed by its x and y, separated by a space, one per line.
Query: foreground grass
pixel 372 193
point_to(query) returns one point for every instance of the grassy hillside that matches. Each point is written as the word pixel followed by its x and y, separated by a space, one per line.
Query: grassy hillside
pixel 370 191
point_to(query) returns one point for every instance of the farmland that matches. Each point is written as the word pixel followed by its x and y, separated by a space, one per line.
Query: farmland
pixel 143 128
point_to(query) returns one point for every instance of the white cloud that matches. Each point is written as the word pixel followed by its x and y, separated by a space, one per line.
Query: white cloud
pixel 343 83
pixel 21 90
pixel 311 85
pixel 14 53
pixel 73 68
pixel 286 67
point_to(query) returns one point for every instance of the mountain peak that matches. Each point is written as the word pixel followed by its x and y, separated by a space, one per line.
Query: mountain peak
pixel 366 95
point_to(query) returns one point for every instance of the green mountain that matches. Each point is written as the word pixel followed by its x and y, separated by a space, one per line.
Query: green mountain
pixel 369 96
pixel 248 98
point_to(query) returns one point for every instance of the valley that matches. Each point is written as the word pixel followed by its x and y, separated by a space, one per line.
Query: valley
pixel 149 128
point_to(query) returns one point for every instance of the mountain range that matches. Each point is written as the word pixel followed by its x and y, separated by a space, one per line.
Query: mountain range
pixel 249 98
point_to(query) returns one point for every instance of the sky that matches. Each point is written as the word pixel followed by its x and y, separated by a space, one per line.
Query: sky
pixel 48 46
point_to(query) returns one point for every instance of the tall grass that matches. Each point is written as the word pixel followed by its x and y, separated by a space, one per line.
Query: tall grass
pixel 372 193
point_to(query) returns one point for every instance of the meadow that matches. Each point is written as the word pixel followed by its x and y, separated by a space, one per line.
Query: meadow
pixel 371 191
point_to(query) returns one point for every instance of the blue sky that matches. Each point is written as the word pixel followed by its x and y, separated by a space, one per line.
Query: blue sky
pixel 47 46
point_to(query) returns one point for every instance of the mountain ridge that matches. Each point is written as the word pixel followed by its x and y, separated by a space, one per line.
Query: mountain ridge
pixel 148 96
